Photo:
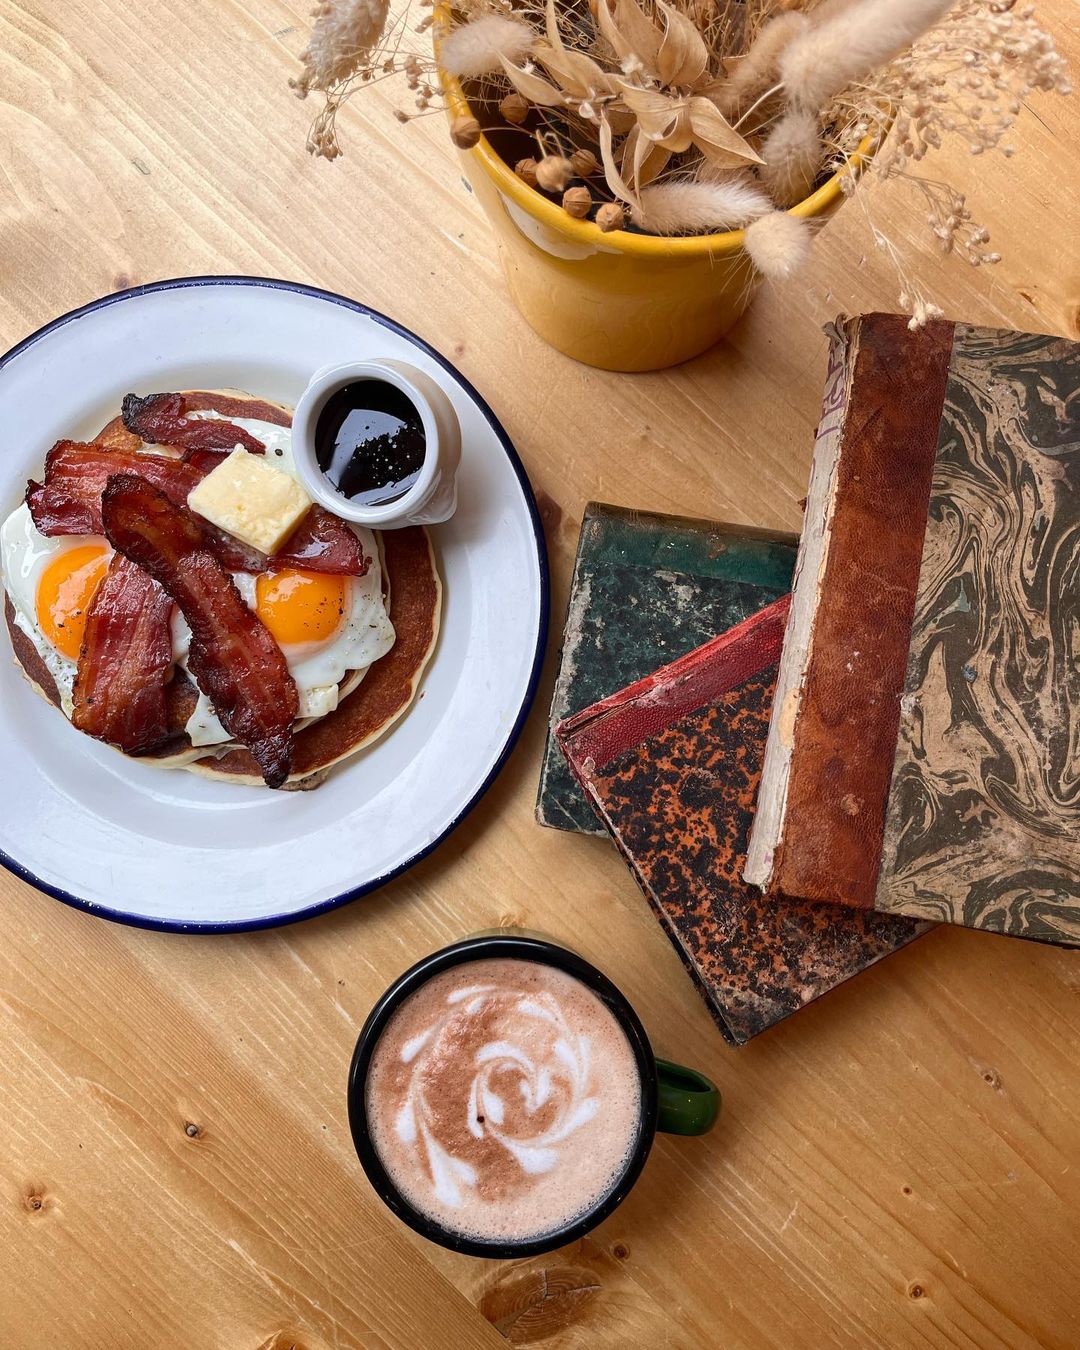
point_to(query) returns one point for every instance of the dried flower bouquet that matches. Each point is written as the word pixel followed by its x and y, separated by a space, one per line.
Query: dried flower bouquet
pixel 677 117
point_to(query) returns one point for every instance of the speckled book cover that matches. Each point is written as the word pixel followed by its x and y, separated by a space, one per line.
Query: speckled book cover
pixel 646 589
pixel 926 759
pixel 672 766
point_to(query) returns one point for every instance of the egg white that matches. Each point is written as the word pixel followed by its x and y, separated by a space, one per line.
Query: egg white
pixel 24 555
pixel 364 635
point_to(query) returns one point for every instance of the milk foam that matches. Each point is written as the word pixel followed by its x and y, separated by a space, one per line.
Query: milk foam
pixel 503 1099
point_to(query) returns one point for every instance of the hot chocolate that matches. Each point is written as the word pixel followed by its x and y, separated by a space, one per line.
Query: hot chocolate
pixel 503 1099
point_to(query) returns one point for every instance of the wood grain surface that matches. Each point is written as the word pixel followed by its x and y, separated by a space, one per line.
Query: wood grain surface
pixel 896 1164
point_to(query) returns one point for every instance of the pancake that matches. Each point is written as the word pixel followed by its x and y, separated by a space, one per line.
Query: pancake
pixel 370 701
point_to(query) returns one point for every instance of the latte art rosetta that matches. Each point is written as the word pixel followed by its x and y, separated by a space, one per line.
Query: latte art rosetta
pixel 503 1098
pixel 526 1090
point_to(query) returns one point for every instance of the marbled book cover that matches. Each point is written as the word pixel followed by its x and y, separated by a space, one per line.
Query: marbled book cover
pixel 672 766
pixel 928 752
pixel 646 589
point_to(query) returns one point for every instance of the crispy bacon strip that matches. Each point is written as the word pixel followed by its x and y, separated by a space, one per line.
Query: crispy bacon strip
pixel 124 666
pixel 322 542
pixel 69 500
pixel 160 419
pixel 232 658
pixel 204 460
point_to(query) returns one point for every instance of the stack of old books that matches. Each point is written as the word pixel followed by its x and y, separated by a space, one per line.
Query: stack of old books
pixel 807 756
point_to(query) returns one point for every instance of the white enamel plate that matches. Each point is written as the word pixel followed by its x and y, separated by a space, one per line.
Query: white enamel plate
pixel 168 849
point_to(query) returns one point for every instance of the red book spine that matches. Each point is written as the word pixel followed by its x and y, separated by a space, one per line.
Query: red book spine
pixel 645 708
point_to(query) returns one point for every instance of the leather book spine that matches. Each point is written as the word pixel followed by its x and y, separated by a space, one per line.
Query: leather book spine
pixel 842 711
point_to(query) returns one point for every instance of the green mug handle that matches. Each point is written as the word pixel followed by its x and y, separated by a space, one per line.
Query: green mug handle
pixel 687 1101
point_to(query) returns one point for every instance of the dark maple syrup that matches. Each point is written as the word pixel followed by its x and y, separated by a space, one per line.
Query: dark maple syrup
pixel 370 442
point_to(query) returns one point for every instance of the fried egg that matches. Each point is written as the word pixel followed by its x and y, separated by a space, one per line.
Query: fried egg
pixel 328 627
pixel 51 583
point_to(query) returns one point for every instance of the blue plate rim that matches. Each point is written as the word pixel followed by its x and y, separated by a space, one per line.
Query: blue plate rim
pixel 345 897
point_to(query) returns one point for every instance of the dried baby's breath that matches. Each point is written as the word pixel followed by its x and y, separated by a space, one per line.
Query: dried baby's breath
pixel 967 79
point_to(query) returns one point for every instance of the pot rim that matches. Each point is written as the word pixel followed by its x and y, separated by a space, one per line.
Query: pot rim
pixel 645 246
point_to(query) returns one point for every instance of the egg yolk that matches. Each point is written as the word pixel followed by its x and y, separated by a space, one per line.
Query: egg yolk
pixel 300 606
pixel 64 594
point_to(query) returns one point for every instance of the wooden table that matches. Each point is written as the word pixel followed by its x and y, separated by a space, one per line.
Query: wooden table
pixel 896 1165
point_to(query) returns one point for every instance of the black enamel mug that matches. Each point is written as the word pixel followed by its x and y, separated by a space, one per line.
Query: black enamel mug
pixel 674 1100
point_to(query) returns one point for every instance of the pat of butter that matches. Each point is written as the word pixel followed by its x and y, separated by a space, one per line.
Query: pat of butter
pixel 249 498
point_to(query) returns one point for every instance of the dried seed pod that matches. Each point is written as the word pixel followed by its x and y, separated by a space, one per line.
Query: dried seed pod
pixel 526 171
pixel 465 131
pixel 514 108
pixel 584 163
pixel 611 216
pixel 553 173
pixel 577 202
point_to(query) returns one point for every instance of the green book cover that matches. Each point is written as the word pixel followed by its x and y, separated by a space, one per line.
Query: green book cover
pixel 647 589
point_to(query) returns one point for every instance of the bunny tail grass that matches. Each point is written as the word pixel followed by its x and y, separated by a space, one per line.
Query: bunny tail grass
pixel 697 207
pixel 829 9
pixel 778 245
pixel 756 71
pixel 792 154
pixel 475 48
pixel 849 46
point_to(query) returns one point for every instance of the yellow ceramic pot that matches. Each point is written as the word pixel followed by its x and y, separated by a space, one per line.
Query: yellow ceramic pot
pixel 620 301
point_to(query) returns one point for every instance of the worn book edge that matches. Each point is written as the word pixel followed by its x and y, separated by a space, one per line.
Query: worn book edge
pixel 674 691
pixel 571 640
pixel 593 737
pixel 810 564
pixel 843 728
pixel 578 602
pixel 714 1007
